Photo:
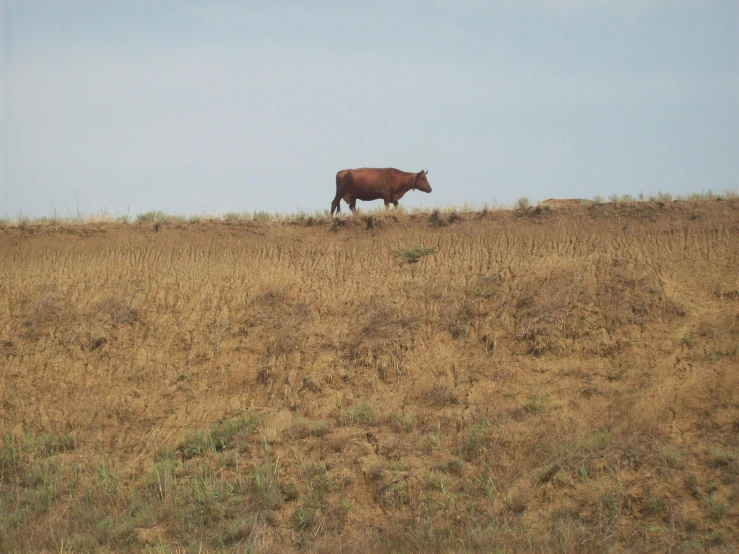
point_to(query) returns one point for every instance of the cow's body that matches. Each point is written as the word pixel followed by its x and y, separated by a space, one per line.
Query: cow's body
pixel 388 184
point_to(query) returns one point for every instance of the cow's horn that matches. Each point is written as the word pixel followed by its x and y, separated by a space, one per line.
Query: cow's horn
pixel 425 171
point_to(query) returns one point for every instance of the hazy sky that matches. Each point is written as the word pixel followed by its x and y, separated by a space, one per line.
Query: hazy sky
pixel 194 106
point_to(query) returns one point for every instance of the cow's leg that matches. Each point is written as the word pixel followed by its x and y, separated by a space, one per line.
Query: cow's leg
pixel 387 203
pixel 351 200
pixel 395 204
pixel 336 205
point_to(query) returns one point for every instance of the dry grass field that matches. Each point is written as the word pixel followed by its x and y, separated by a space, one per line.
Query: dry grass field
pixel 551 379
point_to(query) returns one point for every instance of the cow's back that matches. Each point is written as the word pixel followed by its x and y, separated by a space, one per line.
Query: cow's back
pixel 376 175
pixel 362 177
pixel 341 175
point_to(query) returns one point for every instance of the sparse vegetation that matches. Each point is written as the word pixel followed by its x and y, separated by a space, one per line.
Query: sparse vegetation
pixel 722 457
pixel 321 428
pixel 403 422
pixel 256 382
pixel 260 215
pixel 437 216
pixel 475 441
pixel 361 414
pixel 221 436
pixel 156 216
pixel 412 254
pixel 535 404
pixel 673 458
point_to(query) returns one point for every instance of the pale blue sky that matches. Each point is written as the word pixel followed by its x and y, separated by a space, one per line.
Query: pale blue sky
pixel 196 106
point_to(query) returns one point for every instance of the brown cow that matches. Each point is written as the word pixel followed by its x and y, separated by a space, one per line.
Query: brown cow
pixel 388 184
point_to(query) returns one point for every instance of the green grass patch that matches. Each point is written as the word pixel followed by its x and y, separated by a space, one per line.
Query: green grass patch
pixel 673 458
pixel 722 457
pixel 50 444
pixel 598 440
pixel 474 441
pixel 265 480
pixel 222 435
pixel 161 479
pixel 155 216
pixel 523 203
pixel 412 254
pixel 537 403
pixel 361 414
pixel 715 509
pixel 402 422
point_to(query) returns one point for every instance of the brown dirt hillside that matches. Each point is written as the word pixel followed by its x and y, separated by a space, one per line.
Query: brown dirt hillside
pixel 534 380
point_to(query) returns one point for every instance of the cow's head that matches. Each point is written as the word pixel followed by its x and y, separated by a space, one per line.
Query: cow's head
pixel 421 183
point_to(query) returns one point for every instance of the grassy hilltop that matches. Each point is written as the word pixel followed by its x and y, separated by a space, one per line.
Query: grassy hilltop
pixel 540 379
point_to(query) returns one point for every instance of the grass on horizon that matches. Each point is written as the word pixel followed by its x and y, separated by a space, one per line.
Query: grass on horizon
pixel 159 217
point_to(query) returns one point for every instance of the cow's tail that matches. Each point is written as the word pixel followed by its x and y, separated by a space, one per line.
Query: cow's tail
pixel 336 204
